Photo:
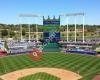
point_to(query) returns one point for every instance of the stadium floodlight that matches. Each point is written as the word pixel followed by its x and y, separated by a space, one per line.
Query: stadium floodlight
pixel 29 15
pixel 74 14
pixel 67 32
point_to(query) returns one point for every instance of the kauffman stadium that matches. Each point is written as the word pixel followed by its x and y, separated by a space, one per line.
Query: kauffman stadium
pixel 50 51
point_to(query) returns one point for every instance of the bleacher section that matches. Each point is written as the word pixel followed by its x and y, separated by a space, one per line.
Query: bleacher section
pixel 21 47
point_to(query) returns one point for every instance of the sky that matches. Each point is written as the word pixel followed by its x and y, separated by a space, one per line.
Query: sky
pixel 10 10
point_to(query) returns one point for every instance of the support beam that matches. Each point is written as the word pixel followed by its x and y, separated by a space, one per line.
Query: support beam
pixel 83 29
pixel 29 15
pixel 75 28
pixel 67 31
pixel 29 32
pixel 21 32
pixel 36 32
pixel 74 15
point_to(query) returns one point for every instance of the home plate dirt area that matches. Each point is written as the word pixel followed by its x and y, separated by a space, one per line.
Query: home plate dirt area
pixel 60 73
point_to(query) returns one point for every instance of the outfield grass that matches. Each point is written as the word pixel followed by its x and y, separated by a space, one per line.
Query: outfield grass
pixel 87 66
pixel 40 76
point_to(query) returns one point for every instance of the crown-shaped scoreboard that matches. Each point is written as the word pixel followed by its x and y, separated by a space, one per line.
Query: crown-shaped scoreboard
pixel 53 21
pixel 51 24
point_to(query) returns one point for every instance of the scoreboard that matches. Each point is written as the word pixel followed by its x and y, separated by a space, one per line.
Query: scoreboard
pixel 56 38
pixel 51 22
pixel 51 25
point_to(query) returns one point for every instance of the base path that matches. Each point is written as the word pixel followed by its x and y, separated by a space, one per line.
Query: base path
pixel 60 73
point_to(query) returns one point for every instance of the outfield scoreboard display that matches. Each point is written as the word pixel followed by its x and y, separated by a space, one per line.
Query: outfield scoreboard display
pixel 51 22
pixel 46 35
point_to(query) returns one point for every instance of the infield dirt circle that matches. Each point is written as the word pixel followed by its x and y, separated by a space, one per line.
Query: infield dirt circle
pixel 60 73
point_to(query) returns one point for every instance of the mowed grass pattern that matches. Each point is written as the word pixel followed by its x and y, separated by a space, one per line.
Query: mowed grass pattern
pixel 85 65
pixel 40 76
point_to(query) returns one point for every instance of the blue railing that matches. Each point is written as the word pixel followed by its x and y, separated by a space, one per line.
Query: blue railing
pixel 82 52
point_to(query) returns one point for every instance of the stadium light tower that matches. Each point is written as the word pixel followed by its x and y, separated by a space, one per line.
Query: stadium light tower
pixel 67 27
pixel 29 15
pixel 83 30
pixel 75 15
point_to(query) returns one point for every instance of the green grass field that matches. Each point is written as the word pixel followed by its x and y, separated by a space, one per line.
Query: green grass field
pixel 87 66
pixel 41 76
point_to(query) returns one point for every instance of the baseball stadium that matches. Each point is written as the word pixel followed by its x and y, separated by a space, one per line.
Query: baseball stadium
pixel 51 50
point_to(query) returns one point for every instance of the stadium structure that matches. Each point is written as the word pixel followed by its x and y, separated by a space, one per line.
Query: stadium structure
pixel 61 59
pixel 74 45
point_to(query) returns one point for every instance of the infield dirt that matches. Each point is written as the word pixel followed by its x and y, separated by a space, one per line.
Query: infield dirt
pixel 60 73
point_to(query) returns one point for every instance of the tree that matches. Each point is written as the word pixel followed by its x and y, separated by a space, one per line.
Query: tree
pixel 4 33
pixel 77 34
pixel 23 32
pixel 12 34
